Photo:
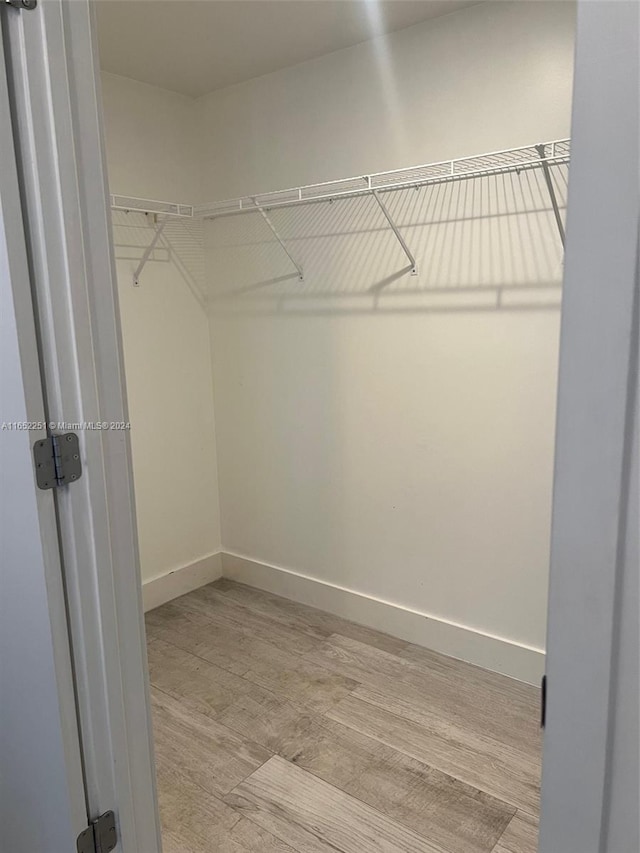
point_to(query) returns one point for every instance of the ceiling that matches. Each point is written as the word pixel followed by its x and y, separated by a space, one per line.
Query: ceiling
pixel 196 46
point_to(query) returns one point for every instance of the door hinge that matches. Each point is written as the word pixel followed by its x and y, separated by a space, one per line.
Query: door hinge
pixel 543 702
pixel 57 460
pixel 27 5
pixel 100 837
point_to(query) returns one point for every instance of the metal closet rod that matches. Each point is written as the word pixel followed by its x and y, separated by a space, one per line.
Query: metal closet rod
pixel 465 168
pixel 543 155
pixel 207 212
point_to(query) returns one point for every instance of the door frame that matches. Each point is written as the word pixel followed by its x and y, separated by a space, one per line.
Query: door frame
pixel 54 91
pixel 597 404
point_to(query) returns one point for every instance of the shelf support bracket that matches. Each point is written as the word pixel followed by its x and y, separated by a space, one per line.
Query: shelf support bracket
pixel 148 251
pixel 541 149
pixel 396 231
pixel 266 218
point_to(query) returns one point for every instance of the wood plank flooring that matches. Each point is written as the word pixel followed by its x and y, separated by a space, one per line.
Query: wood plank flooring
pixel 280 728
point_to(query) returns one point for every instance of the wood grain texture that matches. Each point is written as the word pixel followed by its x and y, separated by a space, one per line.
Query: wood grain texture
pixel 265 717
pixel 315 817
pixel 199 684
pixel 480 762
pixel 520 836
pixel 302 681
pixel 377 746
pixel 442 809
pixel 515 691
pixel 191 818
pixel 284 633
pixel 195 821
pixel 198 635
pixel 305 619
pixel 448 811
pixel 211 755
pixel 259 662
pixel 503 711
pixel 248 837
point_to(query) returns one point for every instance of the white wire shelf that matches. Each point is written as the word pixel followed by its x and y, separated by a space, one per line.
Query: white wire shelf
pixel 131 204
pixel 497 162
pixel 543 155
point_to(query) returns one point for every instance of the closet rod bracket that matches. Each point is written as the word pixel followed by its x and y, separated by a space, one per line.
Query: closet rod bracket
pixel 159 228
pixel 267 219
pixel 542 152
pixel 396 230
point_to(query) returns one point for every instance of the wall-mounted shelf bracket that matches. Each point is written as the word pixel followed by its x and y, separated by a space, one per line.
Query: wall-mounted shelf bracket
pixel 542 151
pixel 396 231
pixel 266 218
pixel 159 228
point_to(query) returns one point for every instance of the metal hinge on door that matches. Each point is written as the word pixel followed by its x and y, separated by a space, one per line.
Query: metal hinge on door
pixel 543 702
pixel 22 4
pixel 57 460
pixel 100 837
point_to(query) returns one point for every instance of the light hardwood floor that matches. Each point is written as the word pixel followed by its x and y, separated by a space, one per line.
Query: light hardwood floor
pixel 283 729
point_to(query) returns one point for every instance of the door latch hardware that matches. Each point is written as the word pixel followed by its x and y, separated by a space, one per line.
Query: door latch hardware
pixel 57 460
pixel 100 837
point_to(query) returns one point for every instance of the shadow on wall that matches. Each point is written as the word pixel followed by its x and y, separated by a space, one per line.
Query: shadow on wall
pixel 181 244
pixel 389 433
pixel 480 244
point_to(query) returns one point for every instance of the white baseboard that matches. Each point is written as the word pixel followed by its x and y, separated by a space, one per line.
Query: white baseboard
pixel 459 641
pixel 157 591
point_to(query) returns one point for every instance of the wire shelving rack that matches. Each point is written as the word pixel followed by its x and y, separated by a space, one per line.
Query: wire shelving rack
pixel 539 156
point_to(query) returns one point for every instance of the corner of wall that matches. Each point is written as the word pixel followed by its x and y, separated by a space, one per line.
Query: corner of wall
pixel 159 590
pixel 218 507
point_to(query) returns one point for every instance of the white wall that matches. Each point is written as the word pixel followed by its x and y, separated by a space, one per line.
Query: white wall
pixel 151 137
pixel 399 446
pixel 151 144
pixel 494 76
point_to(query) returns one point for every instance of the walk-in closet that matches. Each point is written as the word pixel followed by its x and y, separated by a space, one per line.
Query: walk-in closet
pixel 339 229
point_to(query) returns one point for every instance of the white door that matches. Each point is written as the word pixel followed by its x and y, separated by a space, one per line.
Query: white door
pixel 38 725
pixel 71 596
